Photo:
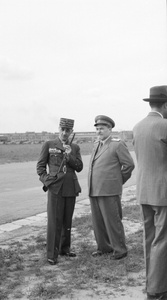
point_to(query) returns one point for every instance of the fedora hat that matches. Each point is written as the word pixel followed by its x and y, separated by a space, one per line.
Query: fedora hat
pixel 104 120
pixel 157 94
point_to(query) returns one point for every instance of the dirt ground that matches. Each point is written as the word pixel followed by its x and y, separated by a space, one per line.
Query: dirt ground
pixel 123 291
pixel 131 285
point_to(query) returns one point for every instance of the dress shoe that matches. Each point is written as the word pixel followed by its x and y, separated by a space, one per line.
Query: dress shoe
pixel 97 253
pixel 157 296
pixel 162 296
pixel 52 261
pixel 69 254
pixel 119 256
pixel 151 296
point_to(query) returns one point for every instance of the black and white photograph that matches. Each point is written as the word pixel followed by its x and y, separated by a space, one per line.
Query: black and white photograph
pixel 83 149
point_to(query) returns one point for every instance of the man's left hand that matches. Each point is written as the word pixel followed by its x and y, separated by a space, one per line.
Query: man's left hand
pixel 67 149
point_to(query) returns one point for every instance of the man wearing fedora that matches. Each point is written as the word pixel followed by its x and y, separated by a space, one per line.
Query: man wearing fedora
pixel 62 158
pixel 150 143
pixel 111 166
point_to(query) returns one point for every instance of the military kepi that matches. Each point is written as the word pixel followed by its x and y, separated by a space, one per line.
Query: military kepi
pixel 104 120
pixel 66 123
pixel 157 94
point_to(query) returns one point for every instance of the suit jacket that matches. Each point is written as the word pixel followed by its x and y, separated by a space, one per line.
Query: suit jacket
pixel 50 159
pixel 109 169
pixel 150 143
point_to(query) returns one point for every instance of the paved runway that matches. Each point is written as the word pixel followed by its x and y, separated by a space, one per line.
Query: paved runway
pixel 21 193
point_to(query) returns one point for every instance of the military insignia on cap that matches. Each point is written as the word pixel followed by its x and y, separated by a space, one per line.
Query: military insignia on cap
pixel 104 120
pixel 67 123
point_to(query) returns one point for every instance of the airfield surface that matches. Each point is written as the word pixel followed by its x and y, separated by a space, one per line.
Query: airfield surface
pixel 21 193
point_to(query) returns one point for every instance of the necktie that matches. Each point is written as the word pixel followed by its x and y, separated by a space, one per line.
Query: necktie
pixel 99 146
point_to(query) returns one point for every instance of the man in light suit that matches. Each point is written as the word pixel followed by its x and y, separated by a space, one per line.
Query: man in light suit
pixel 63 158
pixel 110 167
pixel 150 142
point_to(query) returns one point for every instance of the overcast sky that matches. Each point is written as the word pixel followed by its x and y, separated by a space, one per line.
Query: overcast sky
pixel 78 59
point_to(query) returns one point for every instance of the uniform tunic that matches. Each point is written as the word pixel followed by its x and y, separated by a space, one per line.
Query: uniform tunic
pixel 110 168
pixel 62 191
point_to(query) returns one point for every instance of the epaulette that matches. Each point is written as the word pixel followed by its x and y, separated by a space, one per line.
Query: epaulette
pixel 116 139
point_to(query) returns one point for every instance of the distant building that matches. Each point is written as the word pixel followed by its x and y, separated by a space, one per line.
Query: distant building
pixel 3 138
pixel 40 137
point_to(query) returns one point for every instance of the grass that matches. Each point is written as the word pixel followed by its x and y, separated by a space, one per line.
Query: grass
pixel 25 274
pixel 132 212
pixel 30 152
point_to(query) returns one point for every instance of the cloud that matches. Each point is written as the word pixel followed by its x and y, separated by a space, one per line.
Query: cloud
pixel 10 70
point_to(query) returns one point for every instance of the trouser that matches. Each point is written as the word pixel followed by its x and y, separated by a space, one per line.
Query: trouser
pixel 155 247
pixel 59 211
pixel 107 224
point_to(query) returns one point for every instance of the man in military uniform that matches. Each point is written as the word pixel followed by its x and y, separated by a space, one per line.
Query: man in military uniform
pixel 63 159
pixel 111 166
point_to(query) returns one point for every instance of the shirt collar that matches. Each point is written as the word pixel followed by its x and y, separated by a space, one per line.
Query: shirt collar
pixel 64 143
pixel 157 112
pixel 104 141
